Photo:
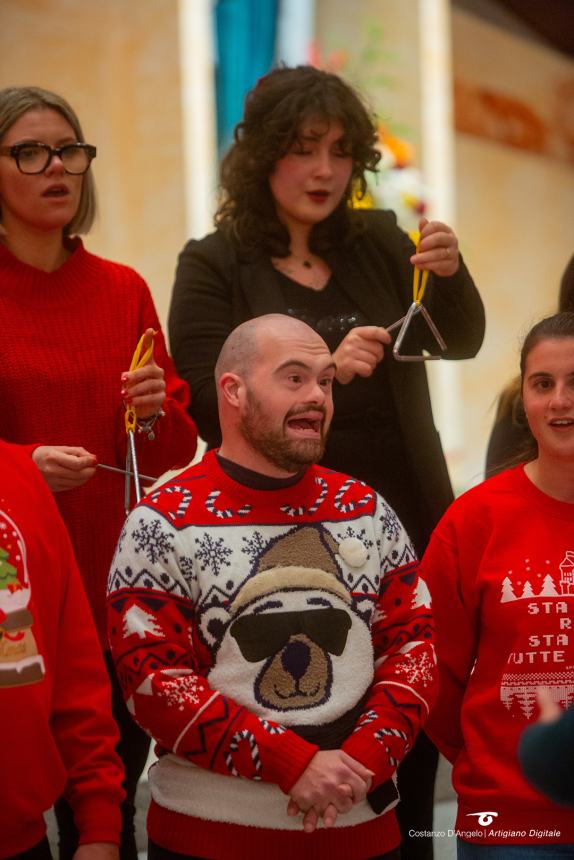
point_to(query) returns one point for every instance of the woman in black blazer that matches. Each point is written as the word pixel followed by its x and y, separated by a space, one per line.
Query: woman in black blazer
pixel 287 241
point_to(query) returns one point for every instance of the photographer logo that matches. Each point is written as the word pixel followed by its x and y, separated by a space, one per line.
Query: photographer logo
pixel 485 819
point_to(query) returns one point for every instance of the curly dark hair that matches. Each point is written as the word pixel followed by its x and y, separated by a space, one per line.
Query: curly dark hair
pixel 275 110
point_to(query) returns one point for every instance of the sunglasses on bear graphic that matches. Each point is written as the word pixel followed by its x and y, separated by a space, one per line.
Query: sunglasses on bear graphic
pixel 262 636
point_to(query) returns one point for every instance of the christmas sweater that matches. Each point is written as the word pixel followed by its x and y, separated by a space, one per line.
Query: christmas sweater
pixel 67 336
pixel 58 735
pixel 500 568
pixel 251 628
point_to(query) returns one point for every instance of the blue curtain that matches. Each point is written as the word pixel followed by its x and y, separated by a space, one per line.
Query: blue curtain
pixel 245 32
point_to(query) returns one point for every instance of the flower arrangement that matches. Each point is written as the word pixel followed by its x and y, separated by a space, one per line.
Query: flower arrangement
pixel 399 184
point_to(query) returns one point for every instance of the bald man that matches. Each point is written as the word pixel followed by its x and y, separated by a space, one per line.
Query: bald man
pixel 270 629
pixel 275 378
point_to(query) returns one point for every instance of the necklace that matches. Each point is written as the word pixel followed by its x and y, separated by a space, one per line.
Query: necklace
pixel 293 258
pixel 302 270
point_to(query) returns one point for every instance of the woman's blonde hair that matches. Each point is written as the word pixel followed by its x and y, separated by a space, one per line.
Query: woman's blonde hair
pixel 16 101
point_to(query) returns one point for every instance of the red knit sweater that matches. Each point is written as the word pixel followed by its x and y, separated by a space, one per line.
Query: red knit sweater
pixel 500 567
pixel 251 627
pixel 57 731
pixel 67 336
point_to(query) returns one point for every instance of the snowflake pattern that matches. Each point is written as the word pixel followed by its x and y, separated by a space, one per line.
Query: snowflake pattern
pixel 181 691
pixel 254 546
pixel 152 540
pixel 187 568
pixel 121 540
pixel 212 553
pixel 390 524
pixel 418 670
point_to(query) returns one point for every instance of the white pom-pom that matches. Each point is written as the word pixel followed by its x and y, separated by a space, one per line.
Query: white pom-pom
pixel 353 552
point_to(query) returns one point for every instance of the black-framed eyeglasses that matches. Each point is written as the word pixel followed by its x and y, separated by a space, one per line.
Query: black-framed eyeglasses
pixel 32 158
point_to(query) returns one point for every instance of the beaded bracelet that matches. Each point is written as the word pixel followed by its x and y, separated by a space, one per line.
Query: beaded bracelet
pixel 146 425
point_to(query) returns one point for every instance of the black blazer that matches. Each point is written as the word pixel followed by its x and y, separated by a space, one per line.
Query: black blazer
pixel 217 287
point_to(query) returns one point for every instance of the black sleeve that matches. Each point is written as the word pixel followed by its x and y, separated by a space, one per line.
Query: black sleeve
pixel 454 303
pixel 456 308
pixel 546 753
pixel 200 319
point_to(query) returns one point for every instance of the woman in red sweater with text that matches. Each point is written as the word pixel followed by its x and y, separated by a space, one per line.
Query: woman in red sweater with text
pixel 500 567
pixel 70 324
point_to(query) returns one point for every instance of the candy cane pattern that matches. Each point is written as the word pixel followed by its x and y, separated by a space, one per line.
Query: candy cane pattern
pixel 300 511
pixel 243 735
pixel 272 728
pixel 224 513
pixel 183 505
pixel 350 506
pixel 395 733
pixel 367 718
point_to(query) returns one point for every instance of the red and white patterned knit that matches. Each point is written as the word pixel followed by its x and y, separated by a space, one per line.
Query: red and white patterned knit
pixel 251 628
pixel 500 567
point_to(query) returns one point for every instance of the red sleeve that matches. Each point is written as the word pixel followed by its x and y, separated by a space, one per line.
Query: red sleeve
pixel 175 435
pixel 456 635
pixel 404 685
pixel 158 658
pixel 81 718
pixel 30 447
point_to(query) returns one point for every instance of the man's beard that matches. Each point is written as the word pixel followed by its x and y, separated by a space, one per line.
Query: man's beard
pixel 290 455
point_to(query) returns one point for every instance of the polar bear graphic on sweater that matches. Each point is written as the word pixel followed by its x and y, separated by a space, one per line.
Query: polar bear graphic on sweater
pixel 295 648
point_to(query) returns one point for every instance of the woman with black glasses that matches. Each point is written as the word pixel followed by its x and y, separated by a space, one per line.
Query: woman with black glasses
pixel 70 324
pixel 287 241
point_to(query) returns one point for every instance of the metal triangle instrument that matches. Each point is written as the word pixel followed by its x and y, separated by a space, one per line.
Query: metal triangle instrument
pixel 420 279
pixel 404 323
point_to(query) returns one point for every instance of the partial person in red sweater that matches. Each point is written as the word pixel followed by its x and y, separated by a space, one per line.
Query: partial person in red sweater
pixel 511 441
pixel 70 324
pixel 500 567
pixel 56 723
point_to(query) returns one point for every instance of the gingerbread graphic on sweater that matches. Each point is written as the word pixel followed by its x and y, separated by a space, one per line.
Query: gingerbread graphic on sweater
pixel 20 662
